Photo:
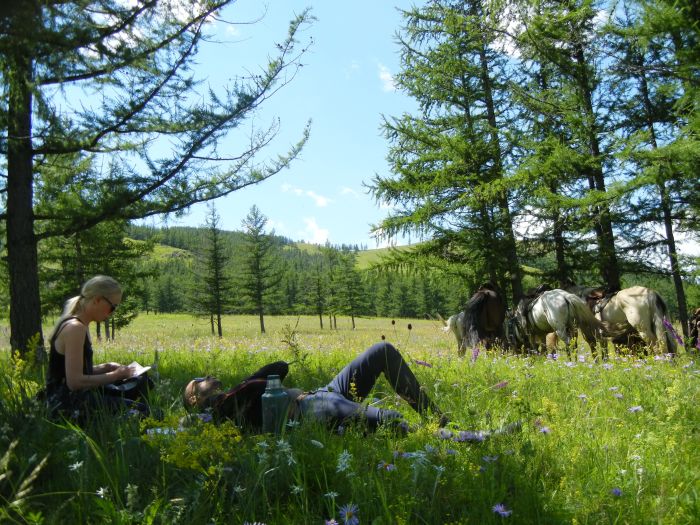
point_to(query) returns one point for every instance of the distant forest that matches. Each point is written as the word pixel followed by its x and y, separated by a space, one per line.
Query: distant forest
pixel 302 271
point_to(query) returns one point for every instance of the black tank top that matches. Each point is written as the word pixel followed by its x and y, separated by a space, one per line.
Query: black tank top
pixel 56 377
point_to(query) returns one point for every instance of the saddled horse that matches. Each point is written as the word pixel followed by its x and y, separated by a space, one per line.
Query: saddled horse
pixel 553 311
pixel 635 313
pixel 481 321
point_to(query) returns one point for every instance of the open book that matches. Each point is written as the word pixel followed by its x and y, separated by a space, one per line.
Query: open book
pixel 138 369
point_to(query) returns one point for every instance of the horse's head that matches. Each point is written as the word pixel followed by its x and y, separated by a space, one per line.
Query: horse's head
pixel 516 337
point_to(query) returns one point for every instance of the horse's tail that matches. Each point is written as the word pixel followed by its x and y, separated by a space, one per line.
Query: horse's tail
pixel 585 319
pixel 662 332
pixel 472 310
pixel 444 323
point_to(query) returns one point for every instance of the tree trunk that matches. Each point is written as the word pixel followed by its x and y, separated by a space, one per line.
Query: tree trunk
pixel 609 268
pixel 665 201
pixel 22 259
pixel 262 322
pixel 505 222
pixel 320 319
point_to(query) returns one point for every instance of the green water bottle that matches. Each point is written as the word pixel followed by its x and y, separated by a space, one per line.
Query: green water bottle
pixel 275 402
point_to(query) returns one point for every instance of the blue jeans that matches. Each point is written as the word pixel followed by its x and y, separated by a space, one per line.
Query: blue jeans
pixel 338 401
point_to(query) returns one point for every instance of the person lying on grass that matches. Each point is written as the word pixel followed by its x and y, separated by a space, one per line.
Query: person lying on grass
pixel 75 387
pixel 335 403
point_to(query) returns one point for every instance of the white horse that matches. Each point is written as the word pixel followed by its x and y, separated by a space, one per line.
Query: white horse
pixel 455 324
pixel 554 311
pixel 635 311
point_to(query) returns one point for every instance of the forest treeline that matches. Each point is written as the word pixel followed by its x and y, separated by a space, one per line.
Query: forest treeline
pixel 308 279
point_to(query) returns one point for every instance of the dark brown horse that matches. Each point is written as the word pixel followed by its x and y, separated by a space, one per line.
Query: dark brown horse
pixel 483 319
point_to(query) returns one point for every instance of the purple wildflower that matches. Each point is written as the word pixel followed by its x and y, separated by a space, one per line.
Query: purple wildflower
pixel 444 433
pixel 670 328
pixel 422 363
pixel 617 395
pixel 545 430
pixel 450 451
pixel 470 437
pixel 475 353
pixel 501 510
pixel 331 522
pixel 348 513
pixel 616 492
pixel 489 459
pixel 583 397
pixel 500 385
pixel 383 465
pixel 205 417
pixel 636 408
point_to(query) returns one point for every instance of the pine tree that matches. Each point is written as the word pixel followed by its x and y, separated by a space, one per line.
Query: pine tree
pixel 260 275
pixel 102 120
pixel 212 295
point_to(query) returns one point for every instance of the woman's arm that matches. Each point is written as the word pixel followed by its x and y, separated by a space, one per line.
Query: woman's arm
pixel 73 339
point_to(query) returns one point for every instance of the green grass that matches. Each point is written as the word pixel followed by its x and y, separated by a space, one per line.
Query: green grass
pixel 580 445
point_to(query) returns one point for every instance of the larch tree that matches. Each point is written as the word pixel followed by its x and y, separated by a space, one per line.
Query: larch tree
pixel 260 275
pixel 104 89
pixel 448 161
pixel 214 286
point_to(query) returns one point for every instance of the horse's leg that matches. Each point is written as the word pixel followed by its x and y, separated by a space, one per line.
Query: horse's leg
pixel 551 341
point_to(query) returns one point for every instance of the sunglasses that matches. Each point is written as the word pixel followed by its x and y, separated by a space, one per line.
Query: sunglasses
pixel 112 306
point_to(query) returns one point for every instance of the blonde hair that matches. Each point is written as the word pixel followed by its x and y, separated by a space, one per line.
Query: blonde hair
pixel 98 286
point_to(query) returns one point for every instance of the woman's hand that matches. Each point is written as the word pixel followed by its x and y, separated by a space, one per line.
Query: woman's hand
pixel 105 368
pixel 123 372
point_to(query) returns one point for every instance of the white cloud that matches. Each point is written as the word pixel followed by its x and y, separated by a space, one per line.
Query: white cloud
pixel 313 233
pixel 320 200
pixel 353 68
pixel 349 191
pixel 388 83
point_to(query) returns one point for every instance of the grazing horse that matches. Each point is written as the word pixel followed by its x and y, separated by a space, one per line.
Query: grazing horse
pixel 481 321
pixel 553 311
pixel 455 324
pixel 637 313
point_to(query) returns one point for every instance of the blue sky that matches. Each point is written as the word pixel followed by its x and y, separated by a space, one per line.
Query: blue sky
pixel 344 88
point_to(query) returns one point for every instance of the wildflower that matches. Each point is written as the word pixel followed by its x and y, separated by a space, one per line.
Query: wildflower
pixel 348 513
pixel 582 359
pixel 383 465
pixel 317 444
pixel 583 397
pixel 617 395
pixel 501 510
pixel 331 522
pixel 253 523
pixel 450 451
pixel 343 461
pixel 500 385
pixel 75 466
pixel 616 492
pixel 469 436
pixel 636 408
pixel 545 429
pixel 672 330
pixel 422 363
pixel 444 433
pixel 635 457
pixel 102 492
pixel 489 459
pixel 297 489
pixel 331 495
pixel 475 353
pixel 607 366
pixel 613 388
pixel 205 417
pixel 239 489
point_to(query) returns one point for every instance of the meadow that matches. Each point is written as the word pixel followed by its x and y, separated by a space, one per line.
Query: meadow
pixel 600 442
